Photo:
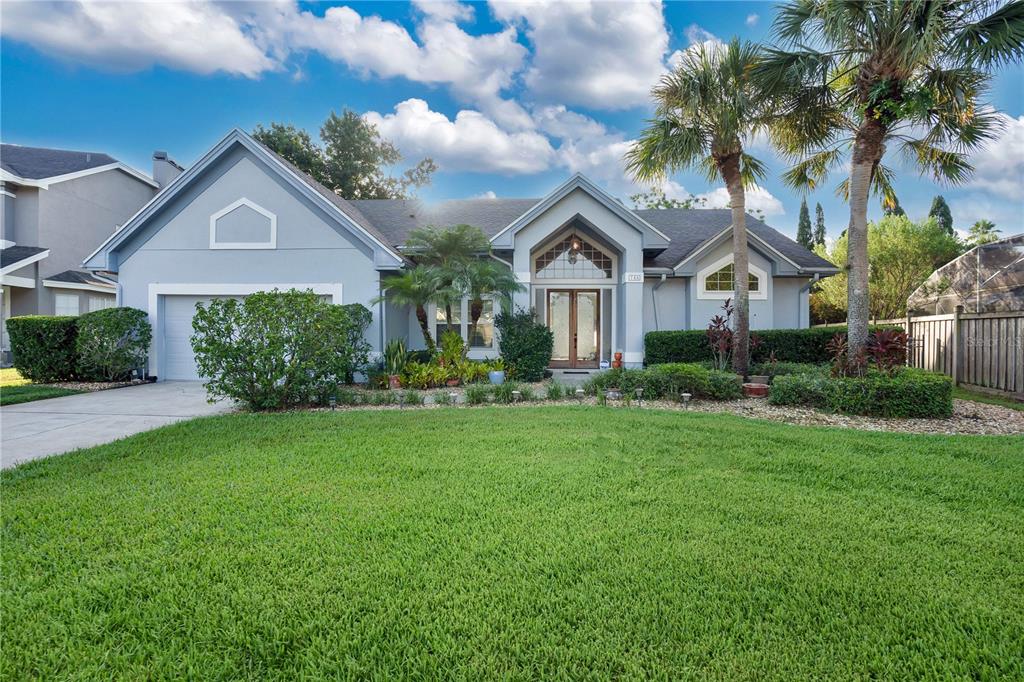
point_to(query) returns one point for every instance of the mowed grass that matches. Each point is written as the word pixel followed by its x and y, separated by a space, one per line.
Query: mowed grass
pixel 14 389
pixel 555 543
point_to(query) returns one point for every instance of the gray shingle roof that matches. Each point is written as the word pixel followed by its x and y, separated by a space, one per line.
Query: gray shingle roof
pixel 344 205
pixel 36 163
pixel 15 254
pixel 687 228
pixel 79 277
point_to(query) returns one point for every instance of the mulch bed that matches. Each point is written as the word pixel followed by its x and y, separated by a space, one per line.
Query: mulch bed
pixel 92 386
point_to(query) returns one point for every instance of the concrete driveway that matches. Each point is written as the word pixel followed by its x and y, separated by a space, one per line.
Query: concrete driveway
pixel 49 427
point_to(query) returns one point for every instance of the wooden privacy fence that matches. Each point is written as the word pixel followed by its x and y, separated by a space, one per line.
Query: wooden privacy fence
pixel 985 350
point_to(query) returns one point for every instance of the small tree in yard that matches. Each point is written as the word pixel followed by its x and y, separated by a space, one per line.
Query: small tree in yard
pixel 278 349
pixel 804 232
pixel 112 342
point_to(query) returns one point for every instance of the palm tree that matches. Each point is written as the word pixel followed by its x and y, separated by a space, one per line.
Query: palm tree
pixel 982 232
pixel 706 109
pixel 859 75
pixel 450 250
pixel 487 278
pixel 417 288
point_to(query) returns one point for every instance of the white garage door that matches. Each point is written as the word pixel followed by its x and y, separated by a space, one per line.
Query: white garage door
pixel 178 360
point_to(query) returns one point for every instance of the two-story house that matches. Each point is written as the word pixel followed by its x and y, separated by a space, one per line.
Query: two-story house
pixel 58 205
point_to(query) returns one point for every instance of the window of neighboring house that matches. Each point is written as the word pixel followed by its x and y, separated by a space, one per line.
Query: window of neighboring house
pixel 481 337
pixel 100 303
pixel 65 304
pixel 723 280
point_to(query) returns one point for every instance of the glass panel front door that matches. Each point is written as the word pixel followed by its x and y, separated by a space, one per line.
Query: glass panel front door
pixel 575 320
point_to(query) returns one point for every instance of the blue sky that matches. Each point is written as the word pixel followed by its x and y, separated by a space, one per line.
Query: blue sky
pixel 508 98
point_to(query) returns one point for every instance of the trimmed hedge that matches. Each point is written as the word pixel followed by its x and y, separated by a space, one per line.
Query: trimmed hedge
pixel 111 343
pixel 669 380
pixel 43 347
pixel 908 393
pixel 789 345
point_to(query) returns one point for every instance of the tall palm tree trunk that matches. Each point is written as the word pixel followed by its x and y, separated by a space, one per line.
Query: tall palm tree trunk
pixel 421 317
pixel 730 169
pixel 867 151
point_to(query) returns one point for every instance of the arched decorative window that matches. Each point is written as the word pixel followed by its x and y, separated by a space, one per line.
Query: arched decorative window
pixel 573 258
pixel 717 280
pixel 724 279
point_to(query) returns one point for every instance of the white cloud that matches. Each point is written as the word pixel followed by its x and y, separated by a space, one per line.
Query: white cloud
pixel 605 55
pixel 697 34
pixel 999 167
pixel 251 38
pixel 469 142
pixel 757 198
pixel 489 194
pixel 198 37
pixel 752 20
pixel 1007 215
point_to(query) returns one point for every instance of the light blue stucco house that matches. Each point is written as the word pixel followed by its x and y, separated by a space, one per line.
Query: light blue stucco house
pixel 601 275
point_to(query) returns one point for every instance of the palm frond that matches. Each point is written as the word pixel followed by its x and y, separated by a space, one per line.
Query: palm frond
pixel 995 39
pixel 666 145
pixel 808 173
pixel 944 165
pixel 881 185
pixel 793 19
pixel 751 170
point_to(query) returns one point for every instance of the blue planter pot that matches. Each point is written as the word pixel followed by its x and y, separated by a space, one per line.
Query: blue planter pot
pixel 497 377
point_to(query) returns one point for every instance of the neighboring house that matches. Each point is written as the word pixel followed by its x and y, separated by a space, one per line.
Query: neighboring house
pixel 243 220
pixel 987 279
pixel 57 206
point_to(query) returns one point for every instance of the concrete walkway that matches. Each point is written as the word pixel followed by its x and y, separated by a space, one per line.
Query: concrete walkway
pixel 48 427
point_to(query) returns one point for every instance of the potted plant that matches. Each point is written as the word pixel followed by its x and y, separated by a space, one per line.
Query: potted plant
pixel 496 374
pixel 395 358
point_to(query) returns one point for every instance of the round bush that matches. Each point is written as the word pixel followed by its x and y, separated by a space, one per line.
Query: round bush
pixel 43 347
pixel 278 349
pixel 526 344
pixel 111 343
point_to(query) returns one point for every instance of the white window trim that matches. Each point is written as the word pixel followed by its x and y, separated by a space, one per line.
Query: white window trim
pixel 702 274
pixel 158 289
pixel 269 244
pixel 474 352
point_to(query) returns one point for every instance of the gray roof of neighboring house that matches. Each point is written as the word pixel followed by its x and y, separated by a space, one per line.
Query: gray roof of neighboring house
pixel 687 229
pixel 79 277
pixel 16 254
pixel 36 163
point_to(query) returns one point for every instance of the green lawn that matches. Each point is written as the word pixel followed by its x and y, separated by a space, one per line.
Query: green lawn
pixel 559 543
pixel 14 389
pixel 962 393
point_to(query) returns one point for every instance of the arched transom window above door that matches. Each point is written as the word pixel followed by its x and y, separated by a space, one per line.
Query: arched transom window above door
pixel 573 258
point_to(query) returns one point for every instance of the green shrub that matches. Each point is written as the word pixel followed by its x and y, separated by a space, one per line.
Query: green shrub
pixel 526 344
pixel 907 393
pixel 724 385
pixel 111 343
pixel 668 380
pixel 412 398
pixel 799 389
pixel 789 345
pixel 674 378
pixel 526 394
pixel 785 368
pixel 503 392
pixel 278 349
pixel 555 391
pixel 478 394
pixel 382 398
pixel 43 347
pixel 443 398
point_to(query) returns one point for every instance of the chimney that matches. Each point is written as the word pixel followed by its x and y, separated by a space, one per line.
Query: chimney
pixel 165 169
